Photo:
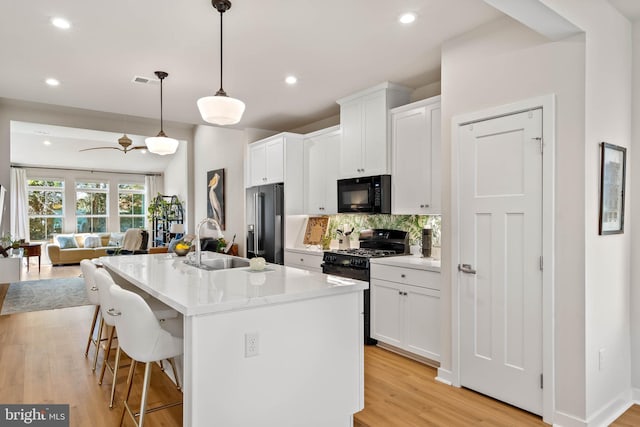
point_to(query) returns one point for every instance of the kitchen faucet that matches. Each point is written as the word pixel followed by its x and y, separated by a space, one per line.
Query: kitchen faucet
pixel 198 244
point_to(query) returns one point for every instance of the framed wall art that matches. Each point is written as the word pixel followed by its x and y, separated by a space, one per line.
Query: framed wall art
pixel 215 196
pixel 612 176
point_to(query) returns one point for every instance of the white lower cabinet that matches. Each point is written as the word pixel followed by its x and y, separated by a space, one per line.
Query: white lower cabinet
pixel 304 260
pixel 406 316
pixel 10 269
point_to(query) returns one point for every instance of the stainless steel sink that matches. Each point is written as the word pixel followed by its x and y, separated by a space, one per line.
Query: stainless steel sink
pixel 211 264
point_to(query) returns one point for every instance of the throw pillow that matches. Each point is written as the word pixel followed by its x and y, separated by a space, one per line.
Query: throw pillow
pixel 92 241
pixel 66 241
pixel 116 239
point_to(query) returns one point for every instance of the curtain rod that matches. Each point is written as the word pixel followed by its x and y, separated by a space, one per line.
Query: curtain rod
pixel 20 166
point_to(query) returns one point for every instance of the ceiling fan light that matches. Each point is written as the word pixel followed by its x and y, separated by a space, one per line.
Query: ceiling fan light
pixel 161 144
pixel 221 109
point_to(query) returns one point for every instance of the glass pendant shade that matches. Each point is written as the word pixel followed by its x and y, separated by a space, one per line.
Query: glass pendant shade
pixel 220 109
pixel 161 144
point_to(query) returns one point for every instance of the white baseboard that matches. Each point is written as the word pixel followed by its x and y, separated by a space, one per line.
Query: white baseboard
pixel 560 419
pixel 603 417
pixel 610 412
pixel 445 376
pixel 635 395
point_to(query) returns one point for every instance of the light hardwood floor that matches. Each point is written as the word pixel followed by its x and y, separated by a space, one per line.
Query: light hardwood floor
pixel 42 362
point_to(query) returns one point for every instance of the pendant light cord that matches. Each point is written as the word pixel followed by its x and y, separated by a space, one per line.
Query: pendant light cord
pixel 221 90
pixel 161 128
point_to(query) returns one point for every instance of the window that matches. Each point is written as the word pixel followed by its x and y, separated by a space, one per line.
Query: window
pixel 46 207
pixel 131 206
pixel 91 207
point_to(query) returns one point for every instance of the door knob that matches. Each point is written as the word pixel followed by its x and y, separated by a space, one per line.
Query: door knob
pixel 466 268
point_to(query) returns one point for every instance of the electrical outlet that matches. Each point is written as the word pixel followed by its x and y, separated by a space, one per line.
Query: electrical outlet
pixel 251 344
pixel 601 359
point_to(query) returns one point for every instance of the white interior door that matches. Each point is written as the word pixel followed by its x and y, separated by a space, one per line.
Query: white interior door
pixel 500 164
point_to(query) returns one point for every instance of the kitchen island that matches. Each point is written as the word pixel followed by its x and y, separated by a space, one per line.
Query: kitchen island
pixel 305 327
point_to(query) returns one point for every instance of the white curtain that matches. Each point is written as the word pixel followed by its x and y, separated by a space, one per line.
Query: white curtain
pixel 151 191
pixel 19 205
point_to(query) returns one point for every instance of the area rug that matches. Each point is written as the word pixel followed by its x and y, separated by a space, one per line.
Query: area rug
pixel 37 295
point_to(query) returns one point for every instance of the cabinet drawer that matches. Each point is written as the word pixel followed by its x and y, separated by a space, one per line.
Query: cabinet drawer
pixel 302 260
pixel 407 276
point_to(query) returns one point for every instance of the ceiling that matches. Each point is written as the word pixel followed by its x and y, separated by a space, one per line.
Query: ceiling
pixel 28 148
pixel 629 8
pixel 335 48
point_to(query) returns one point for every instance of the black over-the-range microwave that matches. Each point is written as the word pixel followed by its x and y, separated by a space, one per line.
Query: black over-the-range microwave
pixel 370 194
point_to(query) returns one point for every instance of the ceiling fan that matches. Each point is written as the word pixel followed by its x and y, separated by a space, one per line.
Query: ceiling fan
pixel 125 142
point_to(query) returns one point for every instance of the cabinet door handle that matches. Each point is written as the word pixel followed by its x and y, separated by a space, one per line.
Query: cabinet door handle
pixel 466 268
pixel 403 275
pixel 400 293
pixel 422 206
pixel 301 259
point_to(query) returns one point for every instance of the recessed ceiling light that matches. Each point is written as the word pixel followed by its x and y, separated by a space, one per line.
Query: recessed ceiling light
pixel 52 82
pixel 407 18
pixel 291 80
pixel 46 142
pixel 61 23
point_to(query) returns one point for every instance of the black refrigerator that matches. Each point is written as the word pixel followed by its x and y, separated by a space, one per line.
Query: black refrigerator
pixel 265 223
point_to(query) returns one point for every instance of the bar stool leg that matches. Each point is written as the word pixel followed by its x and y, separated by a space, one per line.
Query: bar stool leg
pixel 93 326
pixel 115 377
pixel 145 389
pixel 125 406
pixel 172 362
pixel 106 354
pixel 99 340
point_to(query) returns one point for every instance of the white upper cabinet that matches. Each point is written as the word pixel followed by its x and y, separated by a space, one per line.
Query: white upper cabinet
pixel 266 160
pixel 321 171
pixel 416 158
pixel 364 117
pixel 278 159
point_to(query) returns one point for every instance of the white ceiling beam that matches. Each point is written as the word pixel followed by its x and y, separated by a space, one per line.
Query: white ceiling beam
pixel 537 16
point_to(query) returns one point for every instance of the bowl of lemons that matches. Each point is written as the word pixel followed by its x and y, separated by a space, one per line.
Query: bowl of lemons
pixel 182 248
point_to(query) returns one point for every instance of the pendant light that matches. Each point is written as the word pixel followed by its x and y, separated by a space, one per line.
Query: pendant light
pixel 221 109
pixel 161 144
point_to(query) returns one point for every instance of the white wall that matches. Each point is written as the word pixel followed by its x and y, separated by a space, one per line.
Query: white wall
pixel 635 208
pixel 178 181
pixel 500 63
pixel 221 148
pixel 592 277
pixel 607 258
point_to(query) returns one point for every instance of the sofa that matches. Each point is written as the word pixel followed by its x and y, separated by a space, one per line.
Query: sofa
pixel 73 248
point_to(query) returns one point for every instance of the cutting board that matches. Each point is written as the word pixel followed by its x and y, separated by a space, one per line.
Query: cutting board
pixel 316 228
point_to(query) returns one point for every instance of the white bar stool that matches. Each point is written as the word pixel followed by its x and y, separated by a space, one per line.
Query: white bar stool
pixel 104 282
pixel 88 273
pixel 145 340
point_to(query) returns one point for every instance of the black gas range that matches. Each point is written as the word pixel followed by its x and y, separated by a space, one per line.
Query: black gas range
pixel 354 263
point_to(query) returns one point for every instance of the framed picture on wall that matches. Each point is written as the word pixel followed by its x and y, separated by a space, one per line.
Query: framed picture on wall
pixel 215 196
pixel 612 176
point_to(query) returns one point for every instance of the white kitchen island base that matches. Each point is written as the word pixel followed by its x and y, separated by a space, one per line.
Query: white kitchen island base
pixel 309 367
pixel 309 370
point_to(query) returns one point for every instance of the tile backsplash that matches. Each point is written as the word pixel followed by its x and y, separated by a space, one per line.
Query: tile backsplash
pixel 411 223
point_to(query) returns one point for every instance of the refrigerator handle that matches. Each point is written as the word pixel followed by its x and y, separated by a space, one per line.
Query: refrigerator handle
pixel 256 232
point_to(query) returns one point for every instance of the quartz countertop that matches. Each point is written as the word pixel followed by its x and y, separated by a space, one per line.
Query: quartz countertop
pixel 409 261
pixel 194 291
pixel 311 250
